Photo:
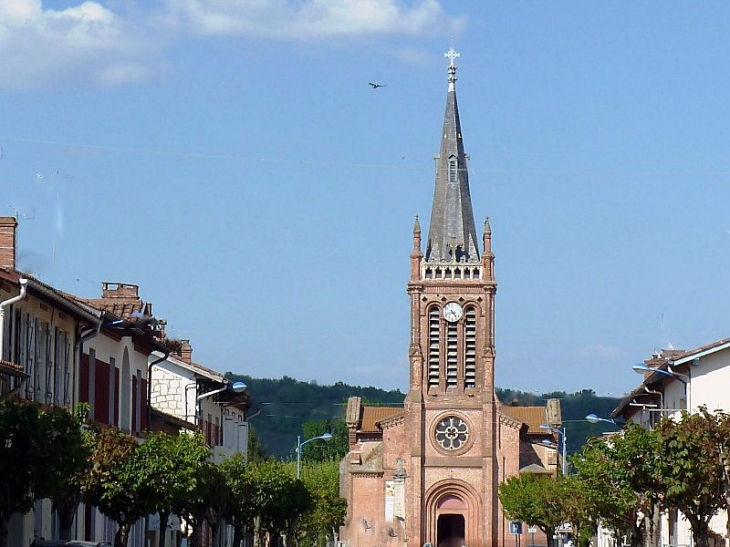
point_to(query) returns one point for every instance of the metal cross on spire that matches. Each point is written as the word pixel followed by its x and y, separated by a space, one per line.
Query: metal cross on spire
pixel 452 54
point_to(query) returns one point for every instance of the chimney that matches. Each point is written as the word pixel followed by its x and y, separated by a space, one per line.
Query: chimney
pixel 119 290
pixel 8 230
pixel 186 351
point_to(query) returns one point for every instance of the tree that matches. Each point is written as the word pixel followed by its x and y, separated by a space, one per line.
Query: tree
pixel 278 499
pixel 603 471
pixel 123 481
pixel 692 470
pixel 239 510
pixel 331 450
pixel 21 458
pixel 176 461
pixel 67 449
pixel 537 500
pixel 328 510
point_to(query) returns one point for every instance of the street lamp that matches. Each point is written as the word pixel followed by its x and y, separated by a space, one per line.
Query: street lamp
pixel 594 419
pixel 561 436
pixel 643 369
pixel 236 387
pixel 300 444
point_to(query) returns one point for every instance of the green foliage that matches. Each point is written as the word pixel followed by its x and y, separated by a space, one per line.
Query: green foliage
pixel 286 404
pixel 329 509
pixel 67 447
pixel 690 465
pixel 603 472
pixel 321 451
pixel 277 498
pixel 21 459
pixel 123 485
pixel 535 499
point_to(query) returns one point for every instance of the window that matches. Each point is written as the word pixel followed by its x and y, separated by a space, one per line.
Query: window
pixel 451 433
pixel 453 170
pixel 452 355
pixel 434 352
pixel 470 347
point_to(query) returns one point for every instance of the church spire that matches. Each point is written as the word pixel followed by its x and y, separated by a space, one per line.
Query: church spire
pixel 452 234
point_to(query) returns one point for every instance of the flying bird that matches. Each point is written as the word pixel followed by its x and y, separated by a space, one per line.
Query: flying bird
pixel 376 86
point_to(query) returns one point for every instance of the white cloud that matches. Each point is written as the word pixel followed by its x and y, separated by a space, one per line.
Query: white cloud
pixel 89 44
pixel 82 45
pixel 598 352
pixel 310 19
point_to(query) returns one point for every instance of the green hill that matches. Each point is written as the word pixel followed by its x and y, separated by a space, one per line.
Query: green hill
pixel 283 405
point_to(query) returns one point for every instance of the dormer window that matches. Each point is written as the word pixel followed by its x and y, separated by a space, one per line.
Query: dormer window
pixel 453 170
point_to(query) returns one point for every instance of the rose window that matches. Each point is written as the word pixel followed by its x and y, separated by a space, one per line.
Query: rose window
pixel 452 433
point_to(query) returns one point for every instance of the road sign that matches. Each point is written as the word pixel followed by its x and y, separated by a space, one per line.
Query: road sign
pixel 515 527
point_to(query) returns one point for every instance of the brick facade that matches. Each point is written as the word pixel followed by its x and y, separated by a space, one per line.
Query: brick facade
pixel 428 473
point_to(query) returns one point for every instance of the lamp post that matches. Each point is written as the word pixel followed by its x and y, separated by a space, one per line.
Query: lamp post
pixel 300 444
pixel 643 369
pixel 594 419
pixel 561 437
pixel 236 387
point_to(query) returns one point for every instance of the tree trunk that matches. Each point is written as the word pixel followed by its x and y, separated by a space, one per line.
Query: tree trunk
pixel 66 513
pixel 237 535
pixel 4 531
pixel 164 519
pixel 121 538
pixel 257 532
pixel 700 533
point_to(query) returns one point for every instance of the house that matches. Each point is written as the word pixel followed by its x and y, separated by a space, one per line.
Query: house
pixel 58 349
pixel 675 381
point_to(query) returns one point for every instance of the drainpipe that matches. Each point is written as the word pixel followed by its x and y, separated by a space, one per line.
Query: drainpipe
pixel 165 355
pixel 3 305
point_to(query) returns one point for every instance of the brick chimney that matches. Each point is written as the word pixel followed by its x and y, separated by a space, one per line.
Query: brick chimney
pixel 186 351
pixel 8 230
pixel 119 290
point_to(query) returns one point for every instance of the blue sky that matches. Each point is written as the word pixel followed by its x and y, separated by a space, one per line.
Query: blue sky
pixel 231 159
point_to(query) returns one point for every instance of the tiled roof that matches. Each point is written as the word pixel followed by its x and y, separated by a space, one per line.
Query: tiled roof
pixel 371 415
pixel 532 416
pixel 13 369
pixel 118 307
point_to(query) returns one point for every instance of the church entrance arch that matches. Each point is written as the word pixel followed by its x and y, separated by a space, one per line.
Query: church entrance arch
pixel 450 530
pixel 452 515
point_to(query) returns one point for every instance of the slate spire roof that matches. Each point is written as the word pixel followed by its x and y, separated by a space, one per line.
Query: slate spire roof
pixel 452 234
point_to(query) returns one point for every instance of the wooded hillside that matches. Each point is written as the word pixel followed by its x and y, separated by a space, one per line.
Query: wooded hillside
pixel 283 405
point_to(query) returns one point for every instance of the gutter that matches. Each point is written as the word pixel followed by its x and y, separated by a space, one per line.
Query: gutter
pixel 6 303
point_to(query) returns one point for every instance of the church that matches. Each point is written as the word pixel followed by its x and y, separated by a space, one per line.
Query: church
pixel 427 473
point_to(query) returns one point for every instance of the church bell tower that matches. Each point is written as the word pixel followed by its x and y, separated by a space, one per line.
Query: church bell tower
pixel 450 409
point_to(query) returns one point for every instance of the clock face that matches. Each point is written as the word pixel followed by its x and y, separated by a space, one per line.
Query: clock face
pixel 452 312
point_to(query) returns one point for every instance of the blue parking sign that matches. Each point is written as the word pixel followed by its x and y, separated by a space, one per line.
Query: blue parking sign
pixel 515 527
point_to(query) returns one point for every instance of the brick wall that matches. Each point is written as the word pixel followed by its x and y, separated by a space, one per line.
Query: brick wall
pixel 8 229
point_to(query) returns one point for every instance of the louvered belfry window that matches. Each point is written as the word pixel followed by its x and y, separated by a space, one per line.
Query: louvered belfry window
pixel 470 348
pixel 452 355
pixel 452 351
pixel 434 347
